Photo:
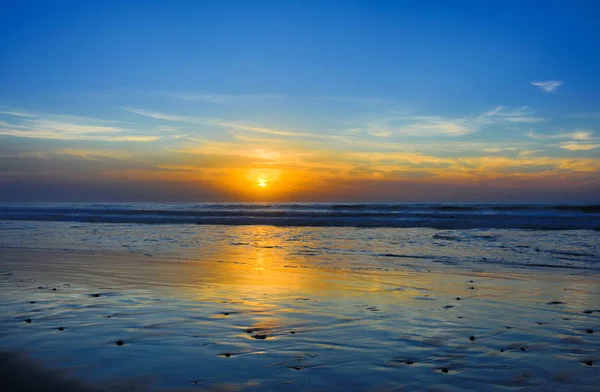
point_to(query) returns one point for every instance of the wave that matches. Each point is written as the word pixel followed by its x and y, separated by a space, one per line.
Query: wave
pixel 443 216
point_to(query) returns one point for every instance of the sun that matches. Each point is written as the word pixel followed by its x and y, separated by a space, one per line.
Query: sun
pixel 262 182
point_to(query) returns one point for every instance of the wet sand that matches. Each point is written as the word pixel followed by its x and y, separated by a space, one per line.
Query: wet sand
pixel 116 321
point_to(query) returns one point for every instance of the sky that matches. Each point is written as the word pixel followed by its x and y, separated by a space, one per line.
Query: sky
pixel 355 101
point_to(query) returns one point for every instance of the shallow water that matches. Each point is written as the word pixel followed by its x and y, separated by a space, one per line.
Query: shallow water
pixel 360 304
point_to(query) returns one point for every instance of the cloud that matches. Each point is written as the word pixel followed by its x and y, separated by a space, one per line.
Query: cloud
pixel 227 124
pixel 225 98
pixel 68 128
pixel 579 146
pixel 549 85
pixel 576 135
pixel 500 113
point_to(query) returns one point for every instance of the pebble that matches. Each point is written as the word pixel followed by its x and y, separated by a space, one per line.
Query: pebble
pixel 28 321
pixel 409 362
pixel 261 337
pixel 225 314
pixel 471 288
pixel 458 298
pixel 554 303
pixel 293 332
pixel 120 343
pixel 471 338
pixel 589 331
pixel 588 311
pixel 589 363
pixel 444 370
pixel 31 302
pixel 54 289
pixel 95 295
pixel 227 355
pixel 60 328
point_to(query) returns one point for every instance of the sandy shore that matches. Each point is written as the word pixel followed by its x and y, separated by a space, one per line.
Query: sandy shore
pixel 121 322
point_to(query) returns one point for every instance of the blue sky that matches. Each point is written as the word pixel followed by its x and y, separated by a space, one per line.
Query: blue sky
pixel 495 101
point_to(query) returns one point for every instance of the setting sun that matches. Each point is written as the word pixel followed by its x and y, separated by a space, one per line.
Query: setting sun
pixel 262 182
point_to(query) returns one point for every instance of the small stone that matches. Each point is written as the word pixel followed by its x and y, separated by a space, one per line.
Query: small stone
pixel 95 295
pixel 293 332
pixel 261 337
pixel 588 311
pixel 107 316
pixel 60 328
pixel 409 362
pixel 227 355
pixel 460 317
pixel 471 288
pixel 501 350
pixel 523 349
pixel 120 343
pixel 508 327
pixel 458 298
pixel 471 281
pixel 471 338
pixel 54 289
pixel 28 321
pixel 589 363
pixel 225 314
pixel 444 370
pixel 589 331
pixel 554 303
pixel 31 302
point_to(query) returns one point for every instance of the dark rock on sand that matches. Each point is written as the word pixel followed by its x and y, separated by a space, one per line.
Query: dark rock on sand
pixel 524 348
pixel 293 332
pixel 119 343
pixel 471 338
pixel 409 362
pixel 94 295
pixel 225 313
pixel 261 337
pixel 444 370
pixel 501 350
pixel 589 330
pixel 54 289
pixel 448 306
pixel 508 327
pixel 60 328
pixel 589 363
pixel 471 288
pixel 31 302
pixel 554 303
pixel 458 298
pixel 28 321
pixel 227 355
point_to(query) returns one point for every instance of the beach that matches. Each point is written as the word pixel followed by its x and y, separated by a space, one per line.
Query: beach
pixel 206 307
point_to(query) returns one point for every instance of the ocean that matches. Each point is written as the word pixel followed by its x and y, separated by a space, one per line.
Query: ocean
pixel 296 297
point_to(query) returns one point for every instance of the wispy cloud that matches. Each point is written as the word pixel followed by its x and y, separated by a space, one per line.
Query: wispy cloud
pixel 549 85
pixel 68 128
pixel 579 146
pixel 228 124
pixel 226 98
pixel 500 113
pixel 576 135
